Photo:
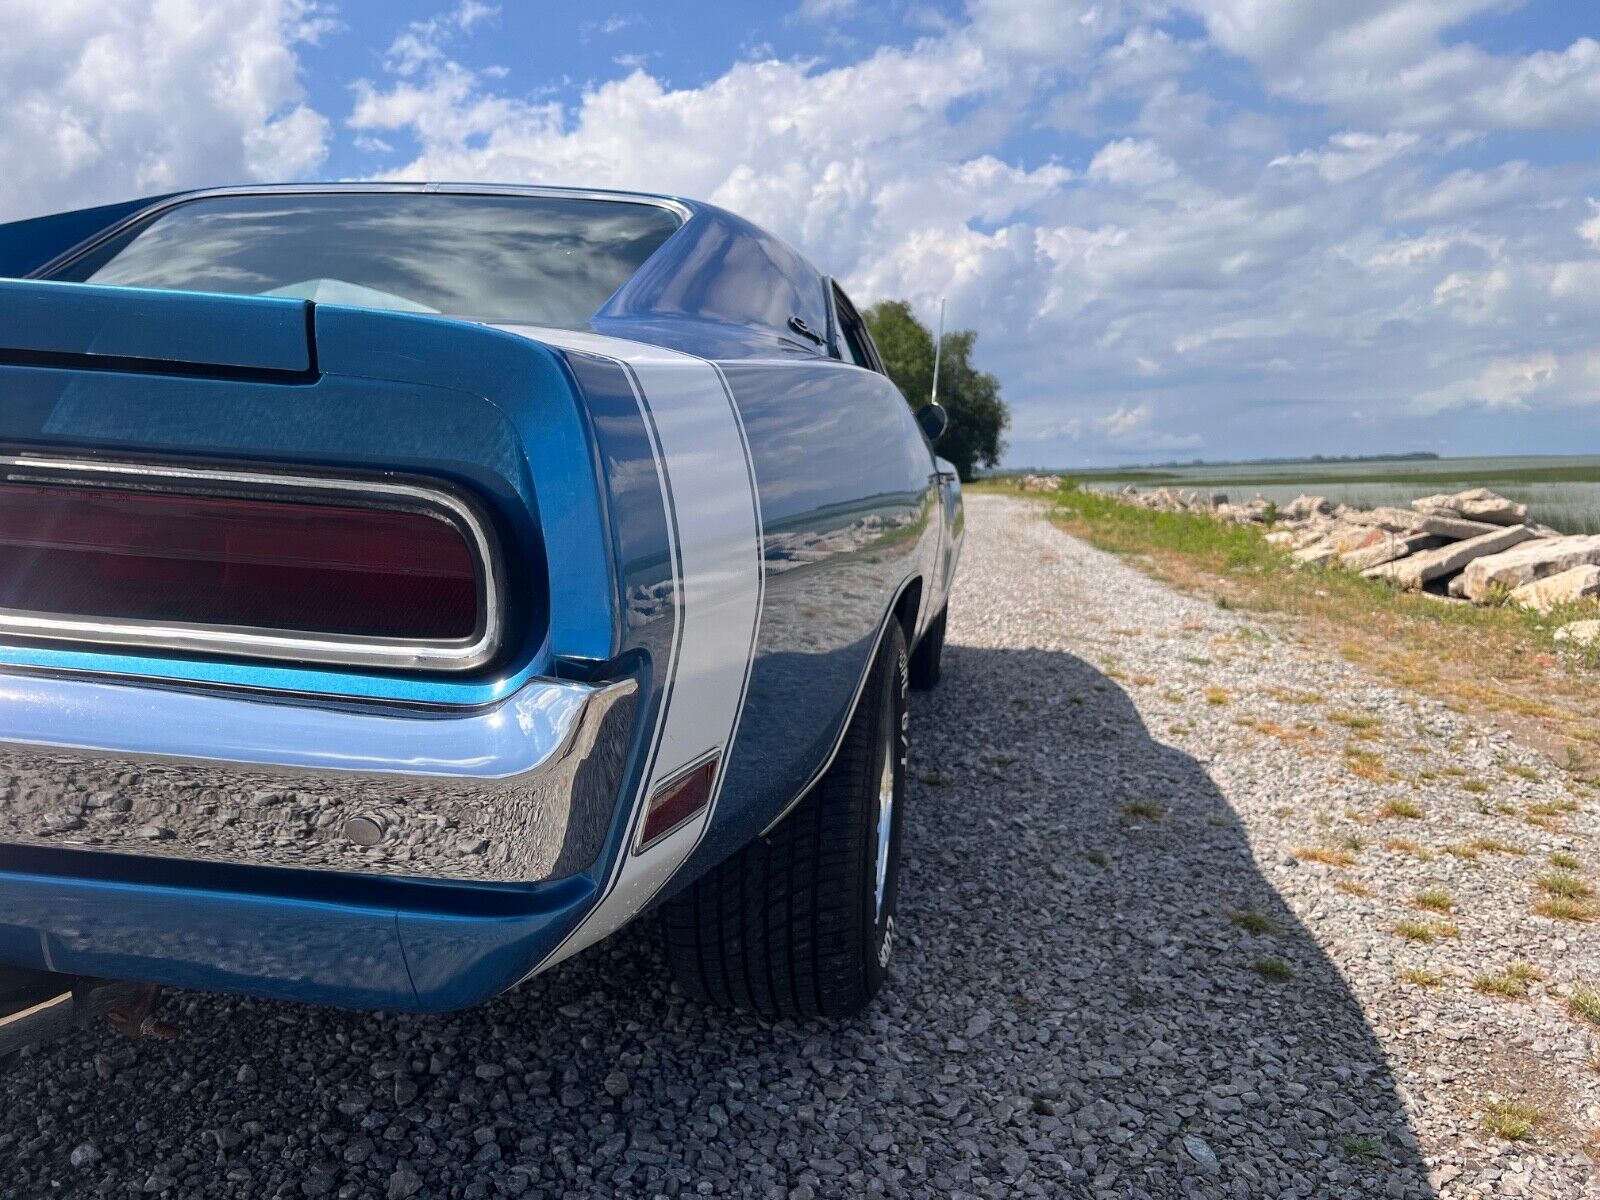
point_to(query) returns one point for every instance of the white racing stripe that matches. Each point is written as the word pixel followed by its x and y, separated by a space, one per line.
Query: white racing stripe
pixel 709 486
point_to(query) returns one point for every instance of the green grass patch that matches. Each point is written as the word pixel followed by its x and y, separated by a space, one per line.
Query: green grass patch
pixel 1513 1120
pixel 1252 920
pixel 1406 810
pixel 1564 884
pixel 1584 1003
pixel 1435 900
pixel 1144 810
pixel 1274 969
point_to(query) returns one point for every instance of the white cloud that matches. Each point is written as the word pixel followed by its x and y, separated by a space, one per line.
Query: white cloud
pixel 107 102
pixel 1387 62
pixel 1505 383
pixel 1132 161
pixel 1211 275
pixel 1350 154
pixel 1589 230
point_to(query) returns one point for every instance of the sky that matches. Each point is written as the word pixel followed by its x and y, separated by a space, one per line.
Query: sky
pixel 1182 228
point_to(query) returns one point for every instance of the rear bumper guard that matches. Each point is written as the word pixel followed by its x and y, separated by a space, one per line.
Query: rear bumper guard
pixel 522 791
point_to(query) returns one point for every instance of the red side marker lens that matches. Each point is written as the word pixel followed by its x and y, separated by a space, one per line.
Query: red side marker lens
pixel 678 799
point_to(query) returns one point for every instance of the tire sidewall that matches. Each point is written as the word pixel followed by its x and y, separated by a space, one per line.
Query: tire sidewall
pixel 879 933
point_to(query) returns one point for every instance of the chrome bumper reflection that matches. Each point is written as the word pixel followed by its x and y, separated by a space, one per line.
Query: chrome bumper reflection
pixel 520 791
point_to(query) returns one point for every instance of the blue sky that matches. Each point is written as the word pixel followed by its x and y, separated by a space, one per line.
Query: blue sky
pixel 1182 228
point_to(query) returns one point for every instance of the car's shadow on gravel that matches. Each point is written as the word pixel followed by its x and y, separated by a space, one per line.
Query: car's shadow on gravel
pixel 1074 1012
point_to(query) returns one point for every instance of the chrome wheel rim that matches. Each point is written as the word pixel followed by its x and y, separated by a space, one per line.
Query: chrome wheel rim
pixel 885 817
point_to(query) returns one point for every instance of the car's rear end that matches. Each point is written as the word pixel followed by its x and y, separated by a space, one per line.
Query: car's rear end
pixel 313 675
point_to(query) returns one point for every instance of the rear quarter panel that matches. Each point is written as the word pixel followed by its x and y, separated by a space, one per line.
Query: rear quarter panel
pixel 849 516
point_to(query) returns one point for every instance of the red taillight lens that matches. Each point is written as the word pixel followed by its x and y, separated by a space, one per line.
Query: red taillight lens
pixel 315 567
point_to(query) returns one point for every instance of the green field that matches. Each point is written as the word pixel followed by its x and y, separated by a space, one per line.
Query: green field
pixel 1561 491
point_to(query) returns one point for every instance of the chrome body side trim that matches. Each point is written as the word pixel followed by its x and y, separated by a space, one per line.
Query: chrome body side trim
pixel 520 791
pixel 462 654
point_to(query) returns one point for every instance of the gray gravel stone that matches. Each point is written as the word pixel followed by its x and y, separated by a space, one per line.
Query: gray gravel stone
pixel 1071 1011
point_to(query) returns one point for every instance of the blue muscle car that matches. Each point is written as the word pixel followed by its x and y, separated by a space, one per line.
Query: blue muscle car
pixel 402 587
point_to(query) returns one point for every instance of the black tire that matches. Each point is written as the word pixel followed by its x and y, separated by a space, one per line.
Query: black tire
pixel 927 660
pixel 796 924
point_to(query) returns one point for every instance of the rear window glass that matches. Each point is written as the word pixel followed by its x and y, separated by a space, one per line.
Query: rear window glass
pixel 533 259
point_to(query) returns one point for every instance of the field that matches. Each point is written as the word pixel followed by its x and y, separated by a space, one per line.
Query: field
pixel 1560 491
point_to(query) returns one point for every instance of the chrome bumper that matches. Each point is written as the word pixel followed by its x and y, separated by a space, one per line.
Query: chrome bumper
pixel 520 791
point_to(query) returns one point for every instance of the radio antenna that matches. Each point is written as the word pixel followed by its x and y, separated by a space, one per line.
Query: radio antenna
pixel 938 347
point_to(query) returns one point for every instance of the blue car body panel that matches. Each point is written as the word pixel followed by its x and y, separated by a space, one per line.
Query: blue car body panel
pixel 558 444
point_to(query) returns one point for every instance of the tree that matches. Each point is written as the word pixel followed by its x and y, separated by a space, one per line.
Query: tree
pixel 978 415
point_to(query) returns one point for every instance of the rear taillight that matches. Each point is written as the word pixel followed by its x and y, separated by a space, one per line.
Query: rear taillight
pixel 367 573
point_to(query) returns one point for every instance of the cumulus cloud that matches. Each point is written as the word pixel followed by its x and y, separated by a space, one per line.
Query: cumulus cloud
pixel 1192 270
pixel 107 102
pixel 1389 61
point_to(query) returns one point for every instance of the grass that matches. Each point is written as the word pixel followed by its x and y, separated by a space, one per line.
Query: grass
pixel 1144 810
pixel 1252 920
pixel 1415 931
pixel 1326 855
pixel 1564 861
pixel 1512 982
pixel 1565 885
pixel 1584 1003
pixel 1356 721
pixel 1563 909
pixel 1364 764
pixel 1357 1145
pixel 1435 900
pixel 1274 969
pixel 1422 976
pixel 1513 1120
pixel 1407 846
pixel 1495 660
pixel 1408 810
pixel 1216 696
pixel 1352 888
pixel 1097 857
pixel 1493 845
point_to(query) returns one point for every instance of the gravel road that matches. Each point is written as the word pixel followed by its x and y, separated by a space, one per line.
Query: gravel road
pixel 1078 1006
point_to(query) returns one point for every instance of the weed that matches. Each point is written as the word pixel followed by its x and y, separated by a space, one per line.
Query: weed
pixel 1512 982
pixel 1562 909
pixel 1252 920
pixel 1097 857
pixel 1564 884
pixel 1356 1145
pixel 1512 1120
pixel 1407 810
pixel 1327 856
pixel 1144 810
pixel 1584 1003
pixel 1435 900
pixel 1415 931
pixel 1273 968
pixel 1422 976
pixel 1564 861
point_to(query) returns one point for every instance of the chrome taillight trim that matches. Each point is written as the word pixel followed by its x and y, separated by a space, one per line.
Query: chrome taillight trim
pixel 463 654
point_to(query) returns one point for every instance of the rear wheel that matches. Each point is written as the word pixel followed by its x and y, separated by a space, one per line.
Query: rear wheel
pixel 927 661
pixel 800 923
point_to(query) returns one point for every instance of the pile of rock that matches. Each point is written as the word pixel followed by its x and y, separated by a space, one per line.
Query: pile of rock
pixel 1473 546
pixel 1041 483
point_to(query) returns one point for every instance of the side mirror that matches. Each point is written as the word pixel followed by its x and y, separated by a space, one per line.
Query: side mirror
pixel 934 421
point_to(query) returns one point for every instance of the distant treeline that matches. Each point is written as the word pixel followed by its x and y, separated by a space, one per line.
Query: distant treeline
pixel 1308 460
